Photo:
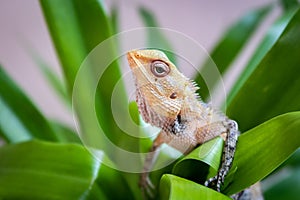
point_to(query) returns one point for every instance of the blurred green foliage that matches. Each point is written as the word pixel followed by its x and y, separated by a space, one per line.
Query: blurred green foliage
pixel 44 159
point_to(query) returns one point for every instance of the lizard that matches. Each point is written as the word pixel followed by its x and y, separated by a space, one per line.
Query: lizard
pixel 168 100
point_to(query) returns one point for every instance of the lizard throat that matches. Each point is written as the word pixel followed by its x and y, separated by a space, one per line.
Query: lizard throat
pixel 150 116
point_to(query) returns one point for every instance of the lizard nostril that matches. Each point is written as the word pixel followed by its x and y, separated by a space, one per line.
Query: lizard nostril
pixel 173 95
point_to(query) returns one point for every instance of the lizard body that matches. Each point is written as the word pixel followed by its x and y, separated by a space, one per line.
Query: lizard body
pixel 168 100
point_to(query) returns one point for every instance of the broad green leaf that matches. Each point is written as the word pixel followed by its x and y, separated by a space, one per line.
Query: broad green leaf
pixel 210 156
pixel 173 187
pixel 76 28
pixel 42 170
pixel 273 88
pixel 155 38
pixel 231 43
pixel 267 43
pixel 65 20
pixel 75 34
pixel 262 149
pixel 65 31
pixel 20 120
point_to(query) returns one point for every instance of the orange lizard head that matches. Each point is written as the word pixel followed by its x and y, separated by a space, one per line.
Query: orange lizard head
pixel 161 89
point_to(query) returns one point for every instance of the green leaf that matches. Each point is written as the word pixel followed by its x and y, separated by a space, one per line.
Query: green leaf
pixel 231 43
pixel 273 88
pixel 209 154
pixel 76 28
pixel 267 43
pixel 66 34
pixel 262 149
pixel 42 170
pixel 20 120
pixel 155 37
pixel 75 34
pixel 173 187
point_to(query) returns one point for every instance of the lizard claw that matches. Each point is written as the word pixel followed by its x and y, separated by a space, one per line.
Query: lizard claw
pixel 146 186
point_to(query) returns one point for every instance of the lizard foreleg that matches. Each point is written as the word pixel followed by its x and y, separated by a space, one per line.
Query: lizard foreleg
pixel 145 182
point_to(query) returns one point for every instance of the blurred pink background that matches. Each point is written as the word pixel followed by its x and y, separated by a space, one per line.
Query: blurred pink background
pixel 22 23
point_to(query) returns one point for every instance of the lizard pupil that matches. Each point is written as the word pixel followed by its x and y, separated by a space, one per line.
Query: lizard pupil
pixel 159 68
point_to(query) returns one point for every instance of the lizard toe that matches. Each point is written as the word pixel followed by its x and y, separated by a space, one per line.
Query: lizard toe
pixel 147 187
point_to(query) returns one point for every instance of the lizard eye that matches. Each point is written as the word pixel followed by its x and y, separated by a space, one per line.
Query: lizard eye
pixel 159 68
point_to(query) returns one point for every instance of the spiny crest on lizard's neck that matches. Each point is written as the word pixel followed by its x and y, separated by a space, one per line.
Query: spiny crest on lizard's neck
pixel 161 90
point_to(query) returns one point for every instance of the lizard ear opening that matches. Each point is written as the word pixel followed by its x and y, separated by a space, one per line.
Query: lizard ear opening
pixel 173 95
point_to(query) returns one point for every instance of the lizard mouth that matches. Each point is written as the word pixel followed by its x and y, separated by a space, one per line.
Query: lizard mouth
pixel 132 59
pixel 138 69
